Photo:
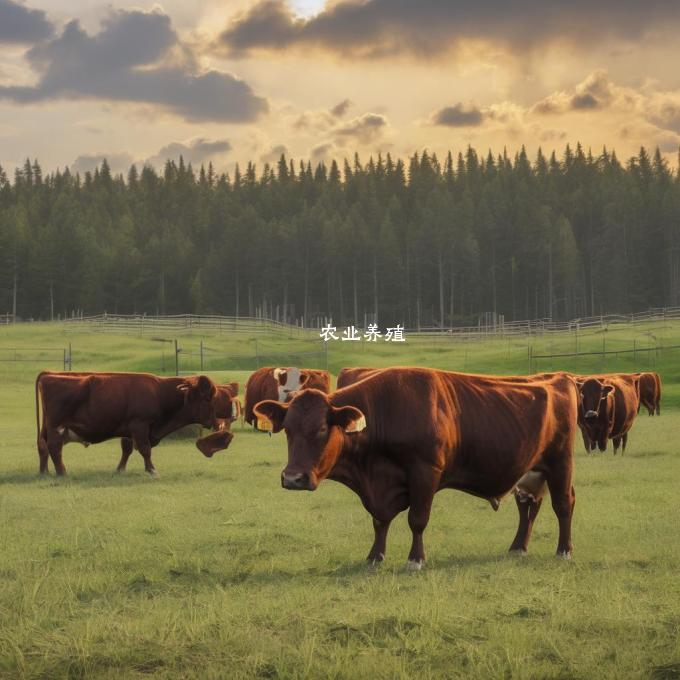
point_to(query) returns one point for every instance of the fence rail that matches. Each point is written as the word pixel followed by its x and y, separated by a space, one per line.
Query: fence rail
pixel 488 325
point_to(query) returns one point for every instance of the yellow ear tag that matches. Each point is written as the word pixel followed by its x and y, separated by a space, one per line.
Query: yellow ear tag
pixel 264 425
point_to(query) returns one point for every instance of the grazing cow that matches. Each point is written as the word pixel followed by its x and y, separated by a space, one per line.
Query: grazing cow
pixel 279 384
pixel 402 434
pixel 609 404
pixel 650 392
pixel 138 407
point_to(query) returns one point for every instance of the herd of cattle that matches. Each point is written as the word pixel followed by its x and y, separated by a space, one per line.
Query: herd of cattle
pixel 394 436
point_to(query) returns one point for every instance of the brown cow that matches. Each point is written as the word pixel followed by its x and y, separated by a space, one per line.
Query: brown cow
pixel 650 392
pixel 609 404
pixel 349 376
pixel 279 384
pixel 227 410
pixel 397 437
pixel 138 407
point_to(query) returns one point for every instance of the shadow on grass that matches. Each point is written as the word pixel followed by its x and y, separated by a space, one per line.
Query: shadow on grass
pixel 91 478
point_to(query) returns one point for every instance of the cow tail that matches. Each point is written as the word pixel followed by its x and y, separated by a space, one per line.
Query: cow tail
pixel 657 378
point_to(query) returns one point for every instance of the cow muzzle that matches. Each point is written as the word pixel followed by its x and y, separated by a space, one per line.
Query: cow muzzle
pixel 590 415
pixel 296 481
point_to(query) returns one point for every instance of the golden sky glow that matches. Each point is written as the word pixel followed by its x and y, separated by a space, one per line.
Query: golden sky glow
pixel 242 80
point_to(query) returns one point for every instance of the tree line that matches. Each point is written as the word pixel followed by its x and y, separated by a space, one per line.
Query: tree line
pixel 419 242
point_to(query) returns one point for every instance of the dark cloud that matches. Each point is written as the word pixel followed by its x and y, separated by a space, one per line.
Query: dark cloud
pixel 197 151
pixel 458 116
pixel 584 101
pixel 429 28
pixel 118 162
pixel 322 152
pixel 19 24
pixel 340 109
pixel 595 92
pixel 274 154
pixel 130 60
pixel 363 129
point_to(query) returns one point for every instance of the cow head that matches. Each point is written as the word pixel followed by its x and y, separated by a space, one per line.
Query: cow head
pixel 225 407
pixel 289 381
pixel 316 433
pixel 214 442
pixel 200 395
pixel 596 410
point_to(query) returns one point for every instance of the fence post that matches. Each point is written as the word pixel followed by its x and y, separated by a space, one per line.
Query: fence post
pixel 65 364
pixel 176 358
pixel 70 357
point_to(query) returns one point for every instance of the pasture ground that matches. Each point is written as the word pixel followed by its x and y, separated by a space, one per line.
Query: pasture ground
pixel 213 571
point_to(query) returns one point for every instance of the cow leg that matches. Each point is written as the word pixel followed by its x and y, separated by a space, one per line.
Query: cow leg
pixel 624 441
pixel 140 437
pixel 127 447
pixel 43 452
pixel 586 441
pixel 55 443
pixel 528 508
pixel 617 443
pixel 377 553
pixel 423 482
pixel 563 499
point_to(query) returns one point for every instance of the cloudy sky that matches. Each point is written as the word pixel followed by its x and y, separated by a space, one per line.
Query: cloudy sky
pixel 238 80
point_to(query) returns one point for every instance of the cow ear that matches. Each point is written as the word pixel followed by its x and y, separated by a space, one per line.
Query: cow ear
pixel 273 411
pixel 349 418
pixel 608 389
pixel 206 387
pixel 304 377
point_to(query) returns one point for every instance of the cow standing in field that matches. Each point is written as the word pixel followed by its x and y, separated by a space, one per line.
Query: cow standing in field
pixel 609 404
pixel 140 408
pixel 650 392
pixel 279 384
pixel 402 434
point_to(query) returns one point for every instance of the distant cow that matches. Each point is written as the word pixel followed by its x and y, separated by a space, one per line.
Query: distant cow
pixel 402 434
pixel 650 392
pixel 227 406
pixel 140 408
pixel 279 384
pixel 608 406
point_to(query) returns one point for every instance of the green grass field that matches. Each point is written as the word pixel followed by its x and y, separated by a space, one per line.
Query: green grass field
pixel 213 571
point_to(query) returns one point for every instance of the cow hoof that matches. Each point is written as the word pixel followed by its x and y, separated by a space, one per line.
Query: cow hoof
pixel 564 554
pixel 375 562
pixel 518 552
pixel 153 474
pixel 414 565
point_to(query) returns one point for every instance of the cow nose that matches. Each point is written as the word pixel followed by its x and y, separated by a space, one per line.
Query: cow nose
pixel 591 414
pixel 295 482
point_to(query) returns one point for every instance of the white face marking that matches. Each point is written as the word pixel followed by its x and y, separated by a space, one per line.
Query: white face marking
pixel 293 381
